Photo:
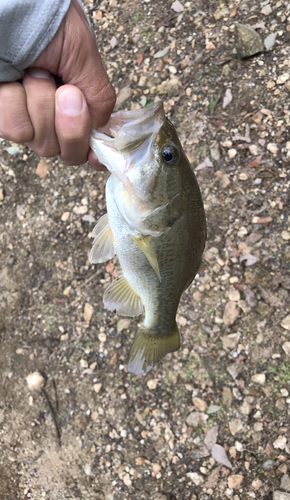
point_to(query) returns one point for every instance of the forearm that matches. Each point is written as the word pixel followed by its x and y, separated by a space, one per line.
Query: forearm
pixel 26 28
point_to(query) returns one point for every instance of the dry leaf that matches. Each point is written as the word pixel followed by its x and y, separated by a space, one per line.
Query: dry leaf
pixel 256 161
pixel 177 6
pixel 206 163
pixel 219 454
pixel 211 437
pixel 113 42
pixel 227 98
pixel 139 59
pixel 42 169
pixel 162 53
pixel 88 312
pixel 248 259
pixel 234 11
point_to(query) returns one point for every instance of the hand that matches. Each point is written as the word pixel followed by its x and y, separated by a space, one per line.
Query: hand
pixel 55 121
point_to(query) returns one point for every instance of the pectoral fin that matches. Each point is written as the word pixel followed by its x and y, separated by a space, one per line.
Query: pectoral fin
pixel 120 297
pixel 148 348
pixel 103 246
pixel 101 224
pixel 148 250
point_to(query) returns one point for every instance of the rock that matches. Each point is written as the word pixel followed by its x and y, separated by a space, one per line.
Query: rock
pixel 35 380
pixel 156 468
pixel 102 337
pixel 81 210
pixel 236 426
pixel 272 148
pixel 232 153
pixel 193 419
pixel 65 216
pixel 287 87
pixel 283 78
pixel 280 495
pixel 259 378
pixel 123 324
pixel 246 408
pixel 230 341
pixel 127 480
pixel 97 387
pixel 42 169
pixel 231 313
pixel 2 194
pixel 196 478
pixel 248 41
pixel 256 484
pixel 266 10
pixel 227 397
pixel 234 295
pixel 235 369
pixel 200 404
pixel 286 348
pixel 285 482
pixel 88 312
pixel 152 384
pixel 285 323
pixel 268 464
pixel 280 442
pixel 235 481
pixel 87 469
pixel 285 235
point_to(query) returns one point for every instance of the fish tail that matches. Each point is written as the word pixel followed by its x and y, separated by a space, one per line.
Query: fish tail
pixel 148 348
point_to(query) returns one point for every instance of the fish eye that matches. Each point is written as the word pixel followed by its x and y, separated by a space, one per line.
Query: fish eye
pixel 168 155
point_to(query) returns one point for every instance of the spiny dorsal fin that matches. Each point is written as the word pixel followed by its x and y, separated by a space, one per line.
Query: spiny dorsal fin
pixel 120 297
pixel 148 250
pixel 103 246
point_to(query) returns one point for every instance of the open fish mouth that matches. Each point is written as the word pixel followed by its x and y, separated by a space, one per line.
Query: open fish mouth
pixel 127 137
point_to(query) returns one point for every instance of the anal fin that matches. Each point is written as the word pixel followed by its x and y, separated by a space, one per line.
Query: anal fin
pixel 144 244
pixel 120 297
pixel 148 348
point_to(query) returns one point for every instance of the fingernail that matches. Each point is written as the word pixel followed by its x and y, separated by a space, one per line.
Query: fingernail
pixel 39 73
pixel 70 102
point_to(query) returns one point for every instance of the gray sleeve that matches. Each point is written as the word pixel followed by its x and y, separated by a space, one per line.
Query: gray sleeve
pixel 26 27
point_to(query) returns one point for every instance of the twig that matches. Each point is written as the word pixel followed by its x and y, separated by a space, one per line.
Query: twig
pixel 45 395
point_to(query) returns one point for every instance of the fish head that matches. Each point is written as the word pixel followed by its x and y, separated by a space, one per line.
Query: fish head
pixel 142 150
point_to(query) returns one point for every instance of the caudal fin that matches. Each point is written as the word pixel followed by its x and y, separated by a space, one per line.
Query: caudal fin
pixel 148 349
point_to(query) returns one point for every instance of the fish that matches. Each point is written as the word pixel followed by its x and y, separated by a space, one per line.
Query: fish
pixel 155 224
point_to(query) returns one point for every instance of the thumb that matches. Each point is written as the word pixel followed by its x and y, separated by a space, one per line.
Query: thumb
pixel 80 64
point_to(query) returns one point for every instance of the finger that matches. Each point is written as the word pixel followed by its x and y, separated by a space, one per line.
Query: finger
pixel 72 123
pixel 81 65
pixel 94 162
pixel 15 124
pixel 40 94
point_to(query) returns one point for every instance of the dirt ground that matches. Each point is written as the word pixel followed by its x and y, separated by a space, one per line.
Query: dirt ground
pixel 127 437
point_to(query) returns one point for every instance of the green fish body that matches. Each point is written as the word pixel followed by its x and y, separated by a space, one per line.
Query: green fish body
pixel 155 223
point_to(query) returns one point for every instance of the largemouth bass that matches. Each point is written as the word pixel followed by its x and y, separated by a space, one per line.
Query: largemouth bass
pixel 155 223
